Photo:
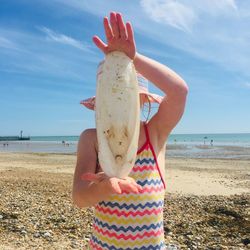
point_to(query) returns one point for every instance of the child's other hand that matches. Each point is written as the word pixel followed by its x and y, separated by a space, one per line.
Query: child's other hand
pixel 113 184
pixel 120 37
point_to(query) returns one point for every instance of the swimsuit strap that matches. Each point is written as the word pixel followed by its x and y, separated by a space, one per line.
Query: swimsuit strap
pixel 146 131
pixel 153 151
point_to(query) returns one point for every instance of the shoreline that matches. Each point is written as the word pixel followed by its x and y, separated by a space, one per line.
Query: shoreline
pixel 190 151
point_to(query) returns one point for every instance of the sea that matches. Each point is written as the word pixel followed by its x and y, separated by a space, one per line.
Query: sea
pixel 233 146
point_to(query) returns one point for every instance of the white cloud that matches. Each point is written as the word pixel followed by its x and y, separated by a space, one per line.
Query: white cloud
pixel 170 12
pixel 25 55
pixel 63 39
pixel 219 32
pixel 214 7
pixel 8 44
pixel 5 43
pixel 184 15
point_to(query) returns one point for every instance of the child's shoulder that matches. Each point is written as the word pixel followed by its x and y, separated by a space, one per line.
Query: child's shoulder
pixel 88 135
pixel 88 132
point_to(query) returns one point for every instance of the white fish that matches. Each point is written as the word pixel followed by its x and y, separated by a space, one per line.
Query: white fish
pixel 117 115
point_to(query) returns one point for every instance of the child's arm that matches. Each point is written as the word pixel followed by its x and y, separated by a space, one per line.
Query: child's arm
pixel 172 107
pixel 84 193
pixel 90 187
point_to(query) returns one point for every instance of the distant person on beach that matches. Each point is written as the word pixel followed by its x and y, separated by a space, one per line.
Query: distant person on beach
pixel 205 140
pixel 128 212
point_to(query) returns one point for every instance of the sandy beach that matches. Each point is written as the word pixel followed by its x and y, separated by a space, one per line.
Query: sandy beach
pixel 206 204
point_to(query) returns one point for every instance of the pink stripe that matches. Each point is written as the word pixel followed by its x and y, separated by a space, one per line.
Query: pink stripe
pixel 129 236
pixel 147 190
pixel 94 246
pixel 143 168
pixel 129 213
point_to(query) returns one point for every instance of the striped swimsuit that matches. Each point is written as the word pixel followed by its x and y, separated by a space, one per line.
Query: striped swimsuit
pixel 133 221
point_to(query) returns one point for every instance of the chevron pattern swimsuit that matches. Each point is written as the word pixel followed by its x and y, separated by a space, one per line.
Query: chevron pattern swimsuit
pixel 133 221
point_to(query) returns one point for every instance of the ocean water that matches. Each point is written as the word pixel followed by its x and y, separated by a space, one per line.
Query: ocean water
pixel 54 138
pixel 242 139
pixel 226 146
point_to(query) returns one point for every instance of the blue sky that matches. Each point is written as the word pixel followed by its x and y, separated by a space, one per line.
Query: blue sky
pixel 48 61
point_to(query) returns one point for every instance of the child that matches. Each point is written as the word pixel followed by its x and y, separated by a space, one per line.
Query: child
pixel 129 212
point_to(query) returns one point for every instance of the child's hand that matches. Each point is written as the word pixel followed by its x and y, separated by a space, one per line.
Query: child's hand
pixel 114 185
pixel 119 36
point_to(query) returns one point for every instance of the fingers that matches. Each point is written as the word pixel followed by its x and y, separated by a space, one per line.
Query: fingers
pixel 114 25
pixel 121 25
pixel 130 32
pixel 89 177
pixel 93 177
pixel 108 30
pixel 115 186
pixel 134 183
pixel 139 187
pixel 100 44
pixel 129 186
pixel 119 36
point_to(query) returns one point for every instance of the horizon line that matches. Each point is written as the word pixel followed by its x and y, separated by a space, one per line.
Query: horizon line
pixel 170 134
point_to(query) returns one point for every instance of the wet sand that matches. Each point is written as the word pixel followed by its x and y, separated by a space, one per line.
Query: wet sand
pixel 186 150
pixel 206 204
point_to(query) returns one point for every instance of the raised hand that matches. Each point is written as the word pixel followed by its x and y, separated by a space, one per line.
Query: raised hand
pixel 113 184
pixel 120 37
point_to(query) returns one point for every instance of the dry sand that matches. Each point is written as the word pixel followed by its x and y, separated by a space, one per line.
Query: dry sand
pixel 183 176
pixel 36 210
pixel 207 176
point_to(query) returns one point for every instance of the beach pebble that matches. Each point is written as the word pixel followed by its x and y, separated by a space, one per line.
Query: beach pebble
pixel 47 234
pixel 23 232
pixel 246 241
pixel 171 247
pixel 75 245
pixel 37 235
pixel 72 236
pixel 197 238
pixel 190 237
pixel 49 200
pixel 223 247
